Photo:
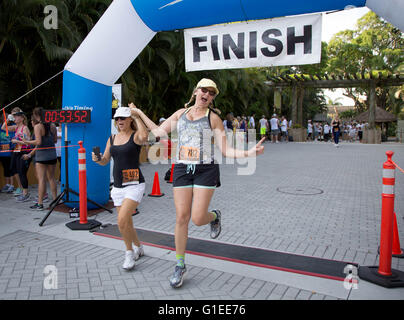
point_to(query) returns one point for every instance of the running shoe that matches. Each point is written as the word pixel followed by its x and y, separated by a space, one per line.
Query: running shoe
pixel 37 206
pixel 44 199
pixel 10 188
pixel 129 262
pixel 178 276
pixel 138 252
pixel 5 188
pixel 17 192
pixel 23 198
pixel 216 225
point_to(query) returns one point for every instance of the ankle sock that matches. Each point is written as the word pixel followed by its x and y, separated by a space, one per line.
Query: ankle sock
pixel 214 214
pixel 180 260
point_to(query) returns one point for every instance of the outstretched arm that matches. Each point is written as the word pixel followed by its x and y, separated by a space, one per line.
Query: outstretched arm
pixel 159 131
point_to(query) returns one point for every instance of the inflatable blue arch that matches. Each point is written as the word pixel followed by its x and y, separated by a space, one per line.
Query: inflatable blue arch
pixel 126 27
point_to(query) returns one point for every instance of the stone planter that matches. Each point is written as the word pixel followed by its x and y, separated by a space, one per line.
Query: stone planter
pixel 298 134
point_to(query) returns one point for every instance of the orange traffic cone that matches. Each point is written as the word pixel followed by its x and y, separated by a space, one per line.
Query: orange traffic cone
pixel 156 187
pixel 171 174
pixel 397 251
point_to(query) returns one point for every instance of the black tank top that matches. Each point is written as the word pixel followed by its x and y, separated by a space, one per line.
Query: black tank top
pixel 126 163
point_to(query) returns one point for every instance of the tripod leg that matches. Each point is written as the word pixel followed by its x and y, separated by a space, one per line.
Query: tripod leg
pixel 91 201
pixel 55 203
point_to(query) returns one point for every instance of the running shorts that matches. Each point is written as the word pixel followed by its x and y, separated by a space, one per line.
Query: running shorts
pixel 196 175
pixel 133 192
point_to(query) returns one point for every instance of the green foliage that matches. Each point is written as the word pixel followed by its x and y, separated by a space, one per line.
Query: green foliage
pixel 374 46
pixel 348 114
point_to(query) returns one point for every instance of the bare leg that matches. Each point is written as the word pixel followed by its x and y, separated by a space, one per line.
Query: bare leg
pixel 183 203
pixel 41 174
pixel 50 175
pixel 200 205
pixel 125 223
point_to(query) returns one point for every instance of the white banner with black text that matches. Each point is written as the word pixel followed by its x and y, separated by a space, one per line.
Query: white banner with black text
pixel 271 42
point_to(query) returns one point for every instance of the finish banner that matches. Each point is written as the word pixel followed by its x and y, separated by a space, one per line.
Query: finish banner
pixel 261 43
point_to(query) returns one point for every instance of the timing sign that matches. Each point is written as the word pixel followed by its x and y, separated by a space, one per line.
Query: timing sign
pixel 260 43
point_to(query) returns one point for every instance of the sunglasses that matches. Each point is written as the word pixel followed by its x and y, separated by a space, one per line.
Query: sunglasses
pixel 211 92
pixel 121 118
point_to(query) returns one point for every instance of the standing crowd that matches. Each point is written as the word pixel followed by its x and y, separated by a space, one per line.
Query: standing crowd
pixel 275 130
pixel 336 130
pixel 21 146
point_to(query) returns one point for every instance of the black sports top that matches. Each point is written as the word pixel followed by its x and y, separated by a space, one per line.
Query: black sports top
pixel 126 163
pixel 335 126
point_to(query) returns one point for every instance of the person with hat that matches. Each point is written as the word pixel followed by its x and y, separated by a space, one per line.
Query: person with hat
pixel 18 163
pixel 196 173
pixel 129 183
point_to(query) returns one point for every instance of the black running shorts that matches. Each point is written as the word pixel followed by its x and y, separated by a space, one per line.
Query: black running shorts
pixel 196 175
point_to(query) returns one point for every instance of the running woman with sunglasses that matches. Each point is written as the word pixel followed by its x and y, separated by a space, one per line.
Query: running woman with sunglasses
pixel 196 174
pixel 129 183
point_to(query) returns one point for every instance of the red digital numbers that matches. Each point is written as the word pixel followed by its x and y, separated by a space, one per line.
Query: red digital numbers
pixel 67 116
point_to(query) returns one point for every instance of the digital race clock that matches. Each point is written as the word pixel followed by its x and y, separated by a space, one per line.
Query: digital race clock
pixel 66 116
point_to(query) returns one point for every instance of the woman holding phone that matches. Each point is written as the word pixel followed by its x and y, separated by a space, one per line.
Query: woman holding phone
pixel 129 183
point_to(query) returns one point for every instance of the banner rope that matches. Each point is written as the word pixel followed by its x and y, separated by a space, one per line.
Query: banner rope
pixel 398 167
pixel 27 93
pixel 75 145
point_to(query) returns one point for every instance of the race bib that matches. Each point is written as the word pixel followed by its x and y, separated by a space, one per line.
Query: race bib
pixel 130 176
pixel 189 153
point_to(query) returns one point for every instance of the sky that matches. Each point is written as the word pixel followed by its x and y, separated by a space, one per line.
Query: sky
pixel 332 24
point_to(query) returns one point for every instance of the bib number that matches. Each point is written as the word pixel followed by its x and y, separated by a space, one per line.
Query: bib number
pixel 189 153
pixel 130 176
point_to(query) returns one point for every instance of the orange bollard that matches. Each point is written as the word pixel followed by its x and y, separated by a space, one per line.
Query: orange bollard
pixel 386 233
pixel 397 252
pixel 171 174
pixel 384 275
pixel 83 223
pixel 156 187
pixel 82 184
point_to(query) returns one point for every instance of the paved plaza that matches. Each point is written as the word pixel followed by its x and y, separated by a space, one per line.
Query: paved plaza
pixel 310 199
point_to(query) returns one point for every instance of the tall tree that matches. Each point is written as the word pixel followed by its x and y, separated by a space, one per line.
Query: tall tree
pixel 373 46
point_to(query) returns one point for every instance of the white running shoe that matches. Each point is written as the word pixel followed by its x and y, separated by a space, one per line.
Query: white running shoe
pixel 138 252
pixel 129 262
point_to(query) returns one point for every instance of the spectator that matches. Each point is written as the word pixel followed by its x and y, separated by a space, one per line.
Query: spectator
pixel 359 127
pixel 251 122
pixel 18 164
pixel 284 129
pixel 309 130
pixel 243 124
pixel 263 126
pixel 326 131
pixel 5 155
pixel 352 133
pixel 45 157
pixel 274 128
